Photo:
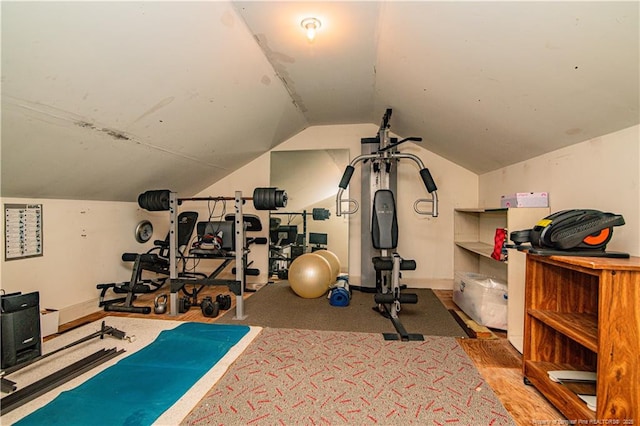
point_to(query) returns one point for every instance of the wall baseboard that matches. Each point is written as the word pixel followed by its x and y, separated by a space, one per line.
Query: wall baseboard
pixel 74 312
pixel 434 284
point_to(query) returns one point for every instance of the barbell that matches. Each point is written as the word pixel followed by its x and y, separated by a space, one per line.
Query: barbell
pixel 263 199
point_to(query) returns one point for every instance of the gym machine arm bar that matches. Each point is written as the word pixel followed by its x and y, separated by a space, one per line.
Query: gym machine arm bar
pixel 427 179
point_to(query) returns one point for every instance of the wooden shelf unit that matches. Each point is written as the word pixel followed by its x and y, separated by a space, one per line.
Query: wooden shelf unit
pixel 474 232
pixel 583 313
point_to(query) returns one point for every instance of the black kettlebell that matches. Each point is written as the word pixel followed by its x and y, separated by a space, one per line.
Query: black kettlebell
pixel 160 304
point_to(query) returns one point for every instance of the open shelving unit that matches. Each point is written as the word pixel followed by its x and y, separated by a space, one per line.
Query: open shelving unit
pixel 474 232
pixel 583 313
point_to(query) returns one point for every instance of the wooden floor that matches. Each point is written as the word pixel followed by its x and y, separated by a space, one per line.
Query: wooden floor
pixel 501 366
pixel 498 362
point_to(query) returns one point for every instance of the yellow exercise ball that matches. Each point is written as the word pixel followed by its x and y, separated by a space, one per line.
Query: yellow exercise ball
pixel 333 261
pixel 310 275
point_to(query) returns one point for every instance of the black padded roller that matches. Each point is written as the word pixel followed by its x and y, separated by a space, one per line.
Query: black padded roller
pixel 346 177
pixel 408 265
pixel 150 258
pixel 147 257
pixel 249 271
pixel 428 180
pixel 410 298
pixel 386 264
pixel 130 309
pixel 382 263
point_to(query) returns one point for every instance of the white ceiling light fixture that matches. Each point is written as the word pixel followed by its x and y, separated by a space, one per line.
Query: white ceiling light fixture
pixel 311 25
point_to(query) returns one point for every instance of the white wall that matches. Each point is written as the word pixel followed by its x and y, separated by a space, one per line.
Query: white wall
pixel 601 173
pixel 430 240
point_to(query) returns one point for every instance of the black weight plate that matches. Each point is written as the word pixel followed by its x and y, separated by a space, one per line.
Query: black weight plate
pixel 163 199
pixel 281 199
pixel 256 199
pixel 271 203
pixel 142 200
pixel 260 199
pixel 157 202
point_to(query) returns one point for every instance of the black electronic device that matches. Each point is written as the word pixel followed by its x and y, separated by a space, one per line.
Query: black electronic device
pixel 575 232
pixel 20 324
pixel 317 238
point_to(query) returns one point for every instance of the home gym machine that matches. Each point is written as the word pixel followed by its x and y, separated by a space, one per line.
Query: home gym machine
pixel 379 182
pixel 160 200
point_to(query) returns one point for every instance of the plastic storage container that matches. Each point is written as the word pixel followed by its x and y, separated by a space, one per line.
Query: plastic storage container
pixel 482 298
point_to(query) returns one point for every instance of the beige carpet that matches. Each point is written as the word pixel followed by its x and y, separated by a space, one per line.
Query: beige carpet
pixel 277 306
pixel 324 377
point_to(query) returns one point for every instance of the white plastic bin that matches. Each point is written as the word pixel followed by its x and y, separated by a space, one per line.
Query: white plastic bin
pixel 482 298
pixel 49 319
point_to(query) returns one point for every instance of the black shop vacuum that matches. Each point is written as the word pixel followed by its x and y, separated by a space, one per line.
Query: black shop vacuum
pixel 576 232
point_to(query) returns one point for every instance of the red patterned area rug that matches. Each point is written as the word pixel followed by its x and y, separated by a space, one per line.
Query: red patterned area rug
pixel 314 377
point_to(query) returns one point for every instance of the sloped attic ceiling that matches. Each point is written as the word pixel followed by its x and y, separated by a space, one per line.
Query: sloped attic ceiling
pixel 104 100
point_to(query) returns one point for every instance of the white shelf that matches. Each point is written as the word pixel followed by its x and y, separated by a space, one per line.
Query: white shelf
pixel 477 247
pixel 474 233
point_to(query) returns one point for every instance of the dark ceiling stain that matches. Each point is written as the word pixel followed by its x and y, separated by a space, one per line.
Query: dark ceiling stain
pixel 113 133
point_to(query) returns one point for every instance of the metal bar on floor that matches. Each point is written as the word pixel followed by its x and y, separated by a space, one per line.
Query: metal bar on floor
pixel 44 385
